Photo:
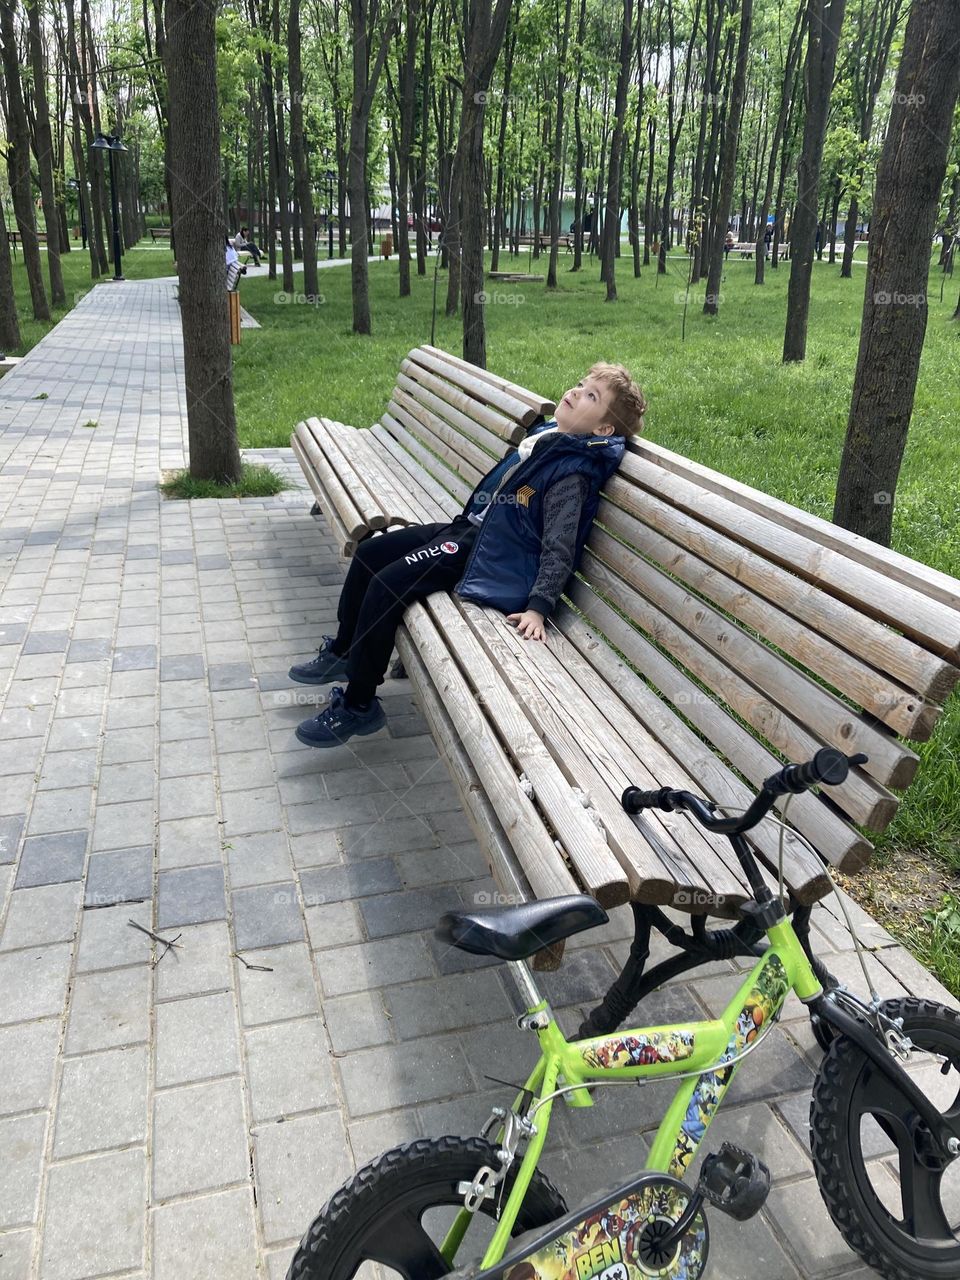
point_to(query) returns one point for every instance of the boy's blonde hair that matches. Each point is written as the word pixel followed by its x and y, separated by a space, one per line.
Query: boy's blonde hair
pixel 627 401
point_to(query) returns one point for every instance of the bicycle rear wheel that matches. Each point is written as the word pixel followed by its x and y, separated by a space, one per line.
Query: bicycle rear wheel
pixel 905 1232
pixel 397 1209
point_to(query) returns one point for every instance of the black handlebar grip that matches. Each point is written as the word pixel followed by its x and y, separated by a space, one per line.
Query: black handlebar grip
pixel 829 766
pixel 633 799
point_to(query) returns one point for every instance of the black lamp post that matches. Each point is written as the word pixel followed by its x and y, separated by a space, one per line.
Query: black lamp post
pixel 111 143
pixel 329 175
pixel 74 186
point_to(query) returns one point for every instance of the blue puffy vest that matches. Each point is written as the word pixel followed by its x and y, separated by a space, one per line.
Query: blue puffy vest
pixel 505 559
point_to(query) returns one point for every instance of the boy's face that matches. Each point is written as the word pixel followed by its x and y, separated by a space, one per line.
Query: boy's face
pixel 584 410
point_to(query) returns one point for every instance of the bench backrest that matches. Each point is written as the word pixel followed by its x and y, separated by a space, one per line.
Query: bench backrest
pixel 760 632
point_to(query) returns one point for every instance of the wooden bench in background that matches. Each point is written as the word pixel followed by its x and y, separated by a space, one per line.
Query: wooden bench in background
pixel 750 632
pixel 160 233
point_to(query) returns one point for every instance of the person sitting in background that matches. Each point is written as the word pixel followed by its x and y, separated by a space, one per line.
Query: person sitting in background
pixel 242 243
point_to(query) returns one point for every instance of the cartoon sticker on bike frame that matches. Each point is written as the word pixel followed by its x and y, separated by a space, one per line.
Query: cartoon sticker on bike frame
pixel 610 1244
pixel 760 1006
pixel 639 1050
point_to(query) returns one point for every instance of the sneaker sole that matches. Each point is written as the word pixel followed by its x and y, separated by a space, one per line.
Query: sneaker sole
pixel 338 742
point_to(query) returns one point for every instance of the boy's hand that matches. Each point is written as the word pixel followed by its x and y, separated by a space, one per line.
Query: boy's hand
pixel 529 624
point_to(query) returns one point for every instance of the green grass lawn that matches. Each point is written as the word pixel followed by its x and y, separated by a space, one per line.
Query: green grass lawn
pixel 144 261
pixel 721 396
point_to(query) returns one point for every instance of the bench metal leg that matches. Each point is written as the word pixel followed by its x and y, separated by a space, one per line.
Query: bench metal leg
pixel 316 510
pixel 398 671
pixel 698 947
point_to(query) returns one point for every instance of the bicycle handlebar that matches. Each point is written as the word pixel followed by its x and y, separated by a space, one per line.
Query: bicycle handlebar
pixel 829 766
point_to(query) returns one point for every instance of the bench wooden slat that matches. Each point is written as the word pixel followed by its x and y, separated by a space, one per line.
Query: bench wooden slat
pixel 836 637
pixel 365 502
pixel 485 426
pixel 344 541
pixel 829 833
pixel 826 715
pixel 894 565
pixel 472 463
pixel 679 761
pixel 586 848
pixel 603 765
pixel 400 504
pixel 542 408
pixel 489 446
pixel 926 620
pixel 352 521
pixel 480 388
pixel 535 850
pixel 445 505
pixel 407 430
pixel 576 765
pixel 863 799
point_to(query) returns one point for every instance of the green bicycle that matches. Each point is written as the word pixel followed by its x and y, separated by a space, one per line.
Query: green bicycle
pixel 418 1208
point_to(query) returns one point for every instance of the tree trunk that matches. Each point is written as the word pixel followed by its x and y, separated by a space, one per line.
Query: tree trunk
pixel 556 160
pixel 611 224
pixel 787 96
pixel 484 36
pixel 580 186
pixel 823 37
pixel 191 66
pixel 728 162
pixel 910 176
pixel 408 105
pixel 58 295
pixel 298 153
pixel 9 320
pixel 18 161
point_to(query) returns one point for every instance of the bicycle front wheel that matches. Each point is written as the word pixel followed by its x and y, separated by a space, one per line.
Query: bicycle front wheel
pixel 895 1203
pixel 397 1210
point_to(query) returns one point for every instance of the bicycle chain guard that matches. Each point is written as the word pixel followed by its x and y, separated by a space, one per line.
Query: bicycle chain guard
pixel 618 1237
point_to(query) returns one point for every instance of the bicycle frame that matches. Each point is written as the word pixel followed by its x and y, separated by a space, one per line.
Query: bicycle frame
pixel 698 1050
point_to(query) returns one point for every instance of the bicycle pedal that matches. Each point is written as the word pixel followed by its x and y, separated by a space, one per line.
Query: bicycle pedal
pixel 735 1181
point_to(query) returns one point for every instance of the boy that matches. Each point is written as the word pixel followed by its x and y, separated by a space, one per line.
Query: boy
pixel 513 546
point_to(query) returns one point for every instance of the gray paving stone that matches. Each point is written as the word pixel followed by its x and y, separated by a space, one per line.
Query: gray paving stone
pixel 370 965
pixel 262 858
pixel 214 1235
pixel 386 838
pixel 94 1221
pixel 178 759
pixel 120 783
pixel 199 1138
pixel 183 666
pixel 33 984
pixel 129 746
pixel 46 642
pixel 68 769
pixel 357 1021
pixel 801 1217
pixel 405 912
pixel 191 896
pixel 196 1039
pixel 109 1009
pixel 298 1165
pixel 246 812
pixel 427 1008
pixel 434 866
pixel 21 1161
pixel 370 1138
pixel 330 815
pixel 28 1056
pixel 12 633
pixel 93 650
pixel 11 828
pixel 333 925
pixel 103 1101
pixel 190 797
pixel 289 1069
pixel 107 940
pixel 402 1075
pixel 287 990
pixel 16 1252
pixel 135 657
pixel 337 884
pixel 321 850
pixel 245 770
pixel 266 915
pixel 63 810
pixel 46 914
pixel 189 842
pixel 200 964
pixel 122 875
pixel 230 675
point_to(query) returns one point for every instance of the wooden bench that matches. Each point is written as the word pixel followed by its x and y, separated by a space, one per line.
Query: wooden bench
pixel 712 632
pixel 160 233
pixel 748 249
pixel 8 362
pixel 543 239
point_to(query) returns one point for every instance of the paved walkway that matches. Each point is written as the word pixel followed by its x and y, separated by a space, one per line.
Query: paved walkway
pixel 182 1117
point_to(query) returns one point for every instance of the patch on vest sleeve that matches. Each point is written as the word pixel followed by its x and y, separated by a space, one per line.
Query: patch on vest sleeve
pixel 524 494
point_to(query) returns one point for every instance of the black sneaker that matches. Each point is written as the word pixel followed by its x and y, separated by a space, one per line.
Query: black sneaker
pixel 338 722
pixel 326 667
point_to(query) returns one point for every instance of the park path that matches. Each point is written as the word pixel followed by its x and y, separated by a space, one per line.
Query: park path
pixel 181 1116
